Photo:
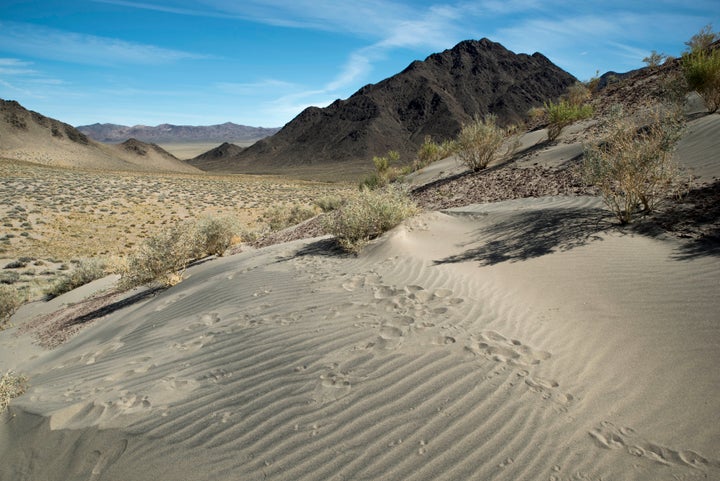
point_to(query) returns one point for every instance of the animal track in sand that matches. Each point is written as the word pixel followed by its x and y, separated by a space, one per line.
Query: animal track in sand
pixel 496 346
pixel 331 387
pixel 549 390
pixel 609 436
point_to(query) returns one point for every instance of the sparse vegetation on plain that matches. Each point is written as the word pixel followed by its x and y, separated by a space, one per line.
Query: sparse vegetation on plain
pixel 632 165
pixel 11 386
pixel 368 214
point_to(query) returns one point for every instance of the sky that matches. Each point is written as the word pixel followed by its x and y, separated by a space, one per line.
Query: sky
pixel 260 63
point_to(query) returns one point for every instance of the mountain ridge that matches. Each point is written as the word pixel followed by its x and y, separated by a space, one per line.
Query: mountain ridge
pixel 168 133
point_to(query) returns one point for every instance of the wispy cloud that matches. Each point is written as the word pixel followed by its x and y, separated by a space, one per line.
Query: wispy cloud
pixel 43 42
pixel 13 66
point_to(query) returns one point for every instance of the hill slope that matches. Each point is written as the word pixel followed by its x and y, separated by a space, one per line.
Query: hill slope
pixel 433 97
pixel 31 137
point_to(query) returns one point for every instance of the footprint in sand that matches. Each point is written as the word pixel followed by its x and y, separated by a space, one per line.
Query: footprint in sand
pixel 609 436
pixel 497 347
pixel 331 387
pixel 549 390
pixel 107 457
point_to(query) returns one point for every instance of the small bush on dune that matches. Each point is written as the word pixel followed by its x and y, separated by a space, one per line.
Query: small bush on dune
pixel 10 301
pixel 386 171
pixel 478 142
pixel 329 203
pixel 86 271
pixel 633 166
pixel 161 257
pixel 368 215
pixel 702 73
pixel 215 235
pixel 564 113
pixel 281 216
pixel 11 386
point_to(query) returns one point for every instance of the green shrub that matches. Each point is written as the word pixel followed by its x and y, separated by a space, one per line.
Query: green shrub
pixel 10 300
pixel 281 216
pixel 368 215
pixel 11 386
pixel 214 235
pixel 577 94
pixel 633 166
pixel 564 113
pixel 428 153
pixel 478 142
pixel 162 257
pixel 87 270
pixel 702 73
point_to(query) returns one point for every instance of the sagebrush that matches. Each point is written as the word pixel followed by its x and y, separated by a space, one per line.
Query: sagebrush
pixel 632 165
pixel 479 141
pixel 702 74
pixel 369 214
pixel 11 386
pixel 564 113
pixel 87 270
pixel 10 301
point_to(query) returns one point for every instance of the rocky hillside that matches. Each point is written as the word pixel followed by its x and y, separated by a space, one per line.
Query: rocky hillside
pixel 214 159
pixel 431 97
pixel 167 133
pixel 32 137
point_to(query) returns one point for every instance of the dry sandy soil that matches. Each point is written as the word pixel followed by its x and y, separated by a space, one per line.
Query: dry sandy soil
pixel 519 339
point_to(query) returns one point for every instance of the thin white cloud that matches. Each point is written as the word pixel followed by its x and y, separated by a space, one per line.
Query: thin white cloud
pixel 14 66
pixel 248 88
pixel 43 42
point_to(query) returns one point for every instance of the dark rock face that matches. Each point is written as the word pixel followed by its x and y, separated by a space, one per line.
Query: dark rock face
pixel 433 97
pixel 176 133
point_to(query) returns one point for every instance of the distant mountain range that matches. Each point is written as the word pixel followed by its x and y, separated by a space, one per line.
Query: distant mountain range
pixel 168 133
pixel 433 98
pixel 31 137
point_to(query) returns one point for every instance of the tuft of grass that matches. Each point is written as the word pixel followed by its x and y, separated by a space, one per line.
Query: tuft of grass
pixel 386 171
pixel 633 166
pixel 368 215
pixel 11 386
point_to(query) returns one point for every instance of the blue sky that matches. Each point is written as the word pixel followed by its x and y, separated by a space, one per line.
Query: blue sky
pixel 259 63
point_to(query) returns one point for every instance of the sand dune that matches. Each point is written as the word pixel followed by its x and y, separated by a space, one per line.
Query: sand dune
pixel 517 340
pixel 450 349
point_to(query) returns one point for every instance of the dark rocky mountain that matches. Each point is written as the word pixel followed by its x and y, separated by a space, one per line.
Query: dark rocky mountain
pixel 433 97
pixel 214 159
pixel 168 133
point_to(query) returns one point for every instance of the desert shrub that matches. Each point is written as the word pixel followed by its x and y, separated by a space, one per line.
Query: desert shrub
pixel 564 113
pixel 429 152
pixel 369 214
pixel 161 257
pixel 633 166
pixel 10 301
pixel 329 203
pixel 702 40
pixel 386 171
pixel 479 141
pixel 214 235
pixel 281 216
pixel 11 386
pixel 577 94
pixel 702 73
pixel 593 82
pixel 654 59
pixel 87 270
